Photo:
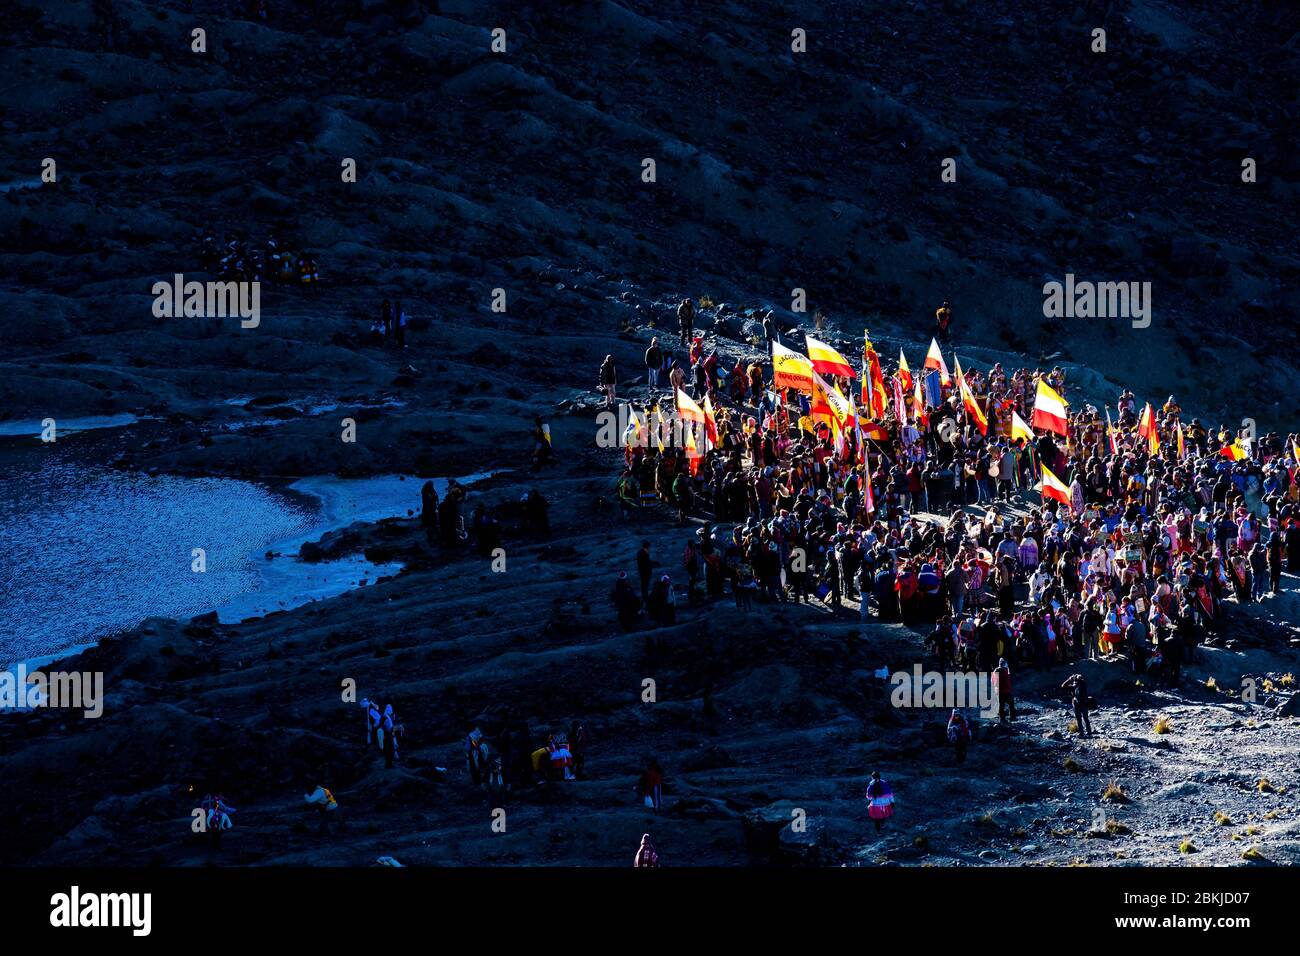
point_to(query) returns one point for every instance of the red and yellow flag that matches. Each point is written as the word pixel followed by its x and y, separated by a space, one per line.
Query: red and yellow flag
pixel 841 409
pixel 790 369
pixel 1049 410
pixel 904 372
pixel 825 360
pixel 820 406
pixel 1236 451
pixel 1147 423
pixel 934 359
pixel 693 455
pixel 1052 487
pixel 710 424
pixel 875 397
pixel 687 409
pixel 973 409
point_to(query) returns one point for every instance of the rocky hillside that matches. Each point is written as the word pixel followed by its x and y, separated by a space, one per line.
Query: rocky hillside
pixel 775 170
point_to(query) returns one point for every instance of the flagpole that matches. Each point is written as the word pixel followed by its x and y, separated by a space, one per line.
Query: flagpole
pixel 866 381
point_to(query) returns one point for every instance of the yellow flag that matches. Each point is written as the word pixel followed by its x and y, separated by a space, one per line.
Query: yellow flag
pixel 1019 429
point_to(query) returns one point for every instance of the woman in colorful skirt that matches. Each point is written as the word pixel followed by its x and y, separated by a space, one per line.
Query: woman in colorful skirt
pixel 880 801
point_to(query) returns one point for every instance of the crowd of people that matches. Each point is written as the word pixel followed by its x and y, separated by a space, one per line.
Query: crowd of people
pixel 938 516
pixel 940 519
pixel 502 753
pixel 241 260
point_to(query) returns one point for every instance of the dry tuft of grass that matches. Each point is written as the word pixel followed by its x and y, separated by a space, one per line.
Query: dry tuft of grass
pixel 987 821
pixel 1163 725
pixel 1072 727
pixel 1072 765
pixel 1287 680
pixel 1222 819
pixel 1252 853
pixel 1187 846
pixel 1211 684
pixel 1113 792
pixel 1117 828
pixel 1264 786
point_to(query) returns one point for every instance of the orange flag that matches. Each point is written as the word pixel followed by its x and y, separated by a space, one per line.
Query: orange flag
pixel 904 372
pixel 968 400
pixel 710 424
pixel 875 397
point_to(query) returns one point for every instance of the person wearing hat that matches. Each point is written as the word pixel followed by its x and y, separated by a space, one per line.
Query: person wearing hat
pixel 626 604
pixel 663 603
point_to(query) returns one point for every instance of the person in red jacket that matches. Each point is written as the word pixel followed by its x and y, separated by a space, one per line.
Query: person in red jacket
pixel 650 788
pixel 1006 702
pixel 907 585
pixel 916 497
